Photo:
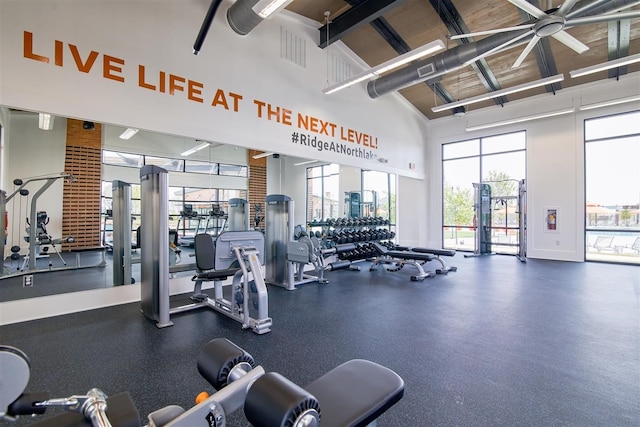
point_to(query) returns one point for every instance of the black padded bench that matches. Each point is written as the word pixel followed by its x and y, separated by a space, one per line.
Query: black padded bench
pixel 356 393
pixel 437 253
pixel 400 259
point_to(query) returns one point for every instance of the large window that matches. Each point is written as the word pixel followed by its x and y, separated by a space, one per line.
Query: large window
pixel 116 158
pixel 498 161
pixel 323 198
pixel 379 189
pixel 202 200
pixel 612 188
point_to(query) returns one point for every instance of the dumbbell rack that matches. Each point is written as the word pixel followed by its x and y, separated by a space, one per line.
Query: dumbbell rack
pixel 361 231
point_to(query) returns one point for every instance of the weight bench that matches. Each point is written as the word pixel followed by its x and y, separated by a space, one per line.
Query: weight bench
pixel 400 259
pixel 354 394
pixel 437 253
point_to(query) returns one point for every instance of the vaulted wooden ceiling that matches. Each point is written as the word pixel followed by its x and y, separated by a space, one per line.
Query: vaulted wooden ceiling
pixel 378 30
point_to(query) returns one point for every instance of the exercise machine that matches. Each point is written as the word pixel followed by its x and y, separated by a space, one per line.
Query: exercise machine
pixel 489 208
pixel 187 217
pixel 355 393
pixel 308 251
pixel 43 241
pixel 216 221
pixel 361 203
pixel 239 255
pixel 36 237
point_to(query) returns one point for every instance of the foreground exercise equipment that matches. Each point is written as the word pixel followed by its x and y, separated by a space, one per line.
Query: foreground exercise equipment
pixel 234 254
pixel 355 393
pixel 400 258
pixel 91 409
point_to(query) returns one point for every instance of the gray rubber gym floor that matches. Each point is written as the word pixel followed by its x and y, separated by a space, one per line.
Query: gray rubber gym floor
pixel 497 343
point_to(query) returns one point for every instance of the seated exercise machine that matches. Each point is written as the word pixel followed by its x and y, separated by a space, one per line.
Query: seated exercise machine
pixel 416 257
pixel 308 251
pixel 233 254
pixel 355 393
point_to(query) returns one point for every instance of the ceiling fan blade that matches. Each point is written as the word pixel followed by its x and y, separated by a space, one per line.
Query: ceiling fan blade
pixel 570 41
pixel 603 18
pixel 528 7
pixel 498 48
pixel 489 32
pixel 566 7
pixel 525 52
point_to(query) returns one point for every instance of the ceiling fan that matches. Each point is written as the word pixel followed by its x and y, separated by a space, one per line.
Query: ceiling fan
pixel 552 23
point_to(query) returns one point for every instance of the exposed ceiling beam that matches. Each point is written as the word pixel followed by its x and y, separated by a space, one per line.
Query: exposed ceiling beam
pixel 454 23
pixel 618 44
pixel 357 16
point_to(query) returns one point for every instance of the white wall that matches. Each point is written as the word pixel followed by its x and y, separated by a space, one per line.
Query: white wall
pixel 249 67
pixel 555 160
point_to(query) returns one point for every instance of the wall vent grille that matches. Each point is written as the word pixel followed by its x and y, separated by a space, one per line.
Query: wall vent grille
pixel 293 48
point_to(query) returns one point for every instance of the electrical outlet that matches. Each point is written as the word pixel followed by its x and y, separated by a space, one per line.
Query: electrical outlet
pixel 27 281
pixel 557 242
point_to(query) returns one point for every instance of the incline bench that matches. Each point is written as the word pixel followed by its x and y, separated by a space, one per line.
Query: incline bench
pixel 413 257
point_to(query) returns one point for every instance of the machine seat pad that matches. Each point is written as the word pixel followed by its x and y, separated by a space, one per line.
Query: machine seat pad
pixel 415 256
pixel 216 274
pixel 356 393
pixel 438 252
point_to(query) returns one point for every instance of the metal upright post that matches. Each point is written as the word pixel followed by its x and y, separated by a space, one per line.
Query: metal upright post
pixel 154 242
pixel 522 221
pixel 121 232
pixel 239 215
pixel 278 233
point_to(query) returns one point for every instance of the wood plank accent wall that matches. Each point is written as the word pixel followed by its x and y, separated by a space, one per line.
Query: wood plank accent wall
pixel 257 183
pixel 81 199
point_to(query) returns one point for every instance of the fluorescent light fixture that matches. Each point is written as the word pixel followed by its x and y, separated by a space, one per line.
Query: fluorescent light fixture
pixel 261 155
pixel 308 162
pixel 521 119
pixel 620 62
pixel 128 133
pixel 609 103
pixel 45 121
pixel 389 65
pixel 265 8
pixel 195 149
pixel 498 93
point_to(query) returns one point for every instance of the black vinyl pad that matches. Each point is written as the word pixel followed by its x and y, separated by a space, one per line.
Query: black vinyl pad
pixel 439 252
pixel 356 393
pixel 415 256
pixel 217 274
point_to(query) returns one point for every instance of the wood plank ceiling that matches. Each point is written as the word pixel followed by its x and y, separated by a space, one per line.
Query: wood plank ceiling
pixel 403 25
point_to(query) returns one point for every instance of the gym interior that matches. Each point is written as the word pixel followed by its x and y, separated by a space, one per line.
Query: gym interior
pixel 300 238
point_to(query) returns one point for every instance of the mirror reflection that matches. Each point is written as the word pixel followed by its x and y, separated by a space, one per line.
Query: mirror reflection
pixel 60 190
